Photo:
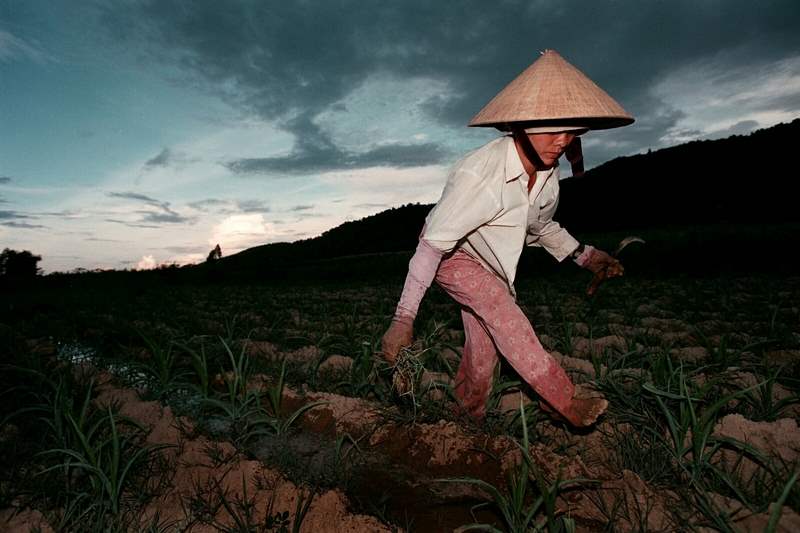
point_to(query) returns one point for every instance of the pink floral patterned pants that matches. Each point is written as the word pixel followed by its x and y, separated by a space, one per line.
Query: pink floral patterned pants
pixel 493 322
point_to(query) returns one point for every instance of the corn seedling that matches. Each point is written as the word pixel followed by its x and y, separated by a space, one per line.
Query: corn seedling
pixel 161 370
pixel 761 403
pixel 106 458
pixel 691 441
pixel 277 421
pixel 240 405
pixel 775 515
pixel 519 513
pixel 200 366
pixel 363 379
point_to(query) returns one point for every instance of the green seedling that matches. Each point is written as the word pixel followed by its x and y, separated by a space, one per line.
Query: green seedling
pixel 199 361
pixel 107 458
pixel 691 441
pixel 277 421
pixel 241 406
pixel 161 369
pixel 761 403
pixel 519 513
pixel 775 515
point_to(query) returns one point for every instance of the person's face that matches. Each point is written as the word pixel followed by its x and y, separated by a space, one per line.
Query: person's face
pixel 550 146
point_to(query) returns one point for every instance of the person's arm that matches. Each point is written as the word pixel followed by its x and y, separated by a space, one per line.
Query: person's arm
pixel 421 271
pixel 466 203
pixel 553 238
pixel 561 244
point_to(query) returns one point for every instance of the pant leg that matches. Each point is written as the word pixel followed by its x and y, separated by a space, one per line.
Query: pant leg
pixel 473 382
pixel 489 299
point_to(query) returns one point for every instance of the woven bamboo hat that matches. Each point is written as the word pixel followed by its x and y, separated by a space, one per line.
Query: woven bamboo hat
pixel 550 94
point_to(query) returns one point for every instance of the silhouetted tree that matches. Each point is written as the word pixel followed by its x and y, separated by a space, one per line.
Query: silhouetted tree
pixel 214 254
pixel 19 265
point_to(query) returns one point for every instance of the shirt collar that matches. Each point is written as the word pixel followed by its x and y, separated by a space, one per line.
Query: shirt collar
pixel 514 168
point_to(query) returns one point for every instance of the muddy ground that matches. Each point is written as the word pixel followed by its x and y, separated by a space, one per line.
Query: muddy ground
pixel 365 458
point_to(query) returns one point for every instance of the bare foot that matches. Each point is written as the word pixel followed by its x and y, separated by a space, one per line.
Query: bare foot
pixel 583 412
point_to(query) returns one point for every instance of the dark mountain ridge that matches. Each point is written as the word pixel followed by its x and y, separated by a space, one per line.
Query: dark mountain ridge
pixel 745 179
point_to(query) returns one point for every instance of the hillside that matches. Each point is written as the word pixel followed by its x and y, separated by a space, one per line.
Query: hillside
pixel 740 178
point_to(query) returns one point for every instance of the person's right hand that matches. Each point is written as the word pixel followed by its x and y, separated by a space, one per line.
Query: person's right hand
pixel 399 335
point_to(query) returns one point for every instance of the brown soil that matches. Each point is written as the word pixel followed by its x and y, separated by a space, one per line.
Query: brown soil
pixel 193 471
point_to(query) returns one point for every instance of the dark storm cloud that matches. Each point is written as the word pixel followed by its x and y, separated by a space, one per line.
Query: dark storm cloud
pixel 301 208
pixel 135 196
pixel 227 207
pixel 10 215
pixel 740 128
pixel 314 151
pixel 99 239
pixel 169 217
pixel 303 161
pixel 208 204
pixel 131 224
pixel 5 179
pixel 161 160
pixel 252 206
pixel 24 225
pixel 165 214
pixel 166 158
pixel 289 61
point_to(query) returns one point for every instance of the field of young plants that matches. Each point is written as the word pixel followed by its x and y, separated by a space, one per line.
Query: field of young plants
pixel 169 407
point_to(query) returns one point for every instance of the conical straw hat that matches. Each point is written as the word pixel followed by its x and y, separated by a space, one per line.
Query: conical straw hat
pixel 551 92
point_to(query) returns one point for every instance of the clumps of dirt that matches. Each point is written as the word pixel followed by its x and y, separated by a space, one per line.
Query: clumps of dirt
pixel 749 522
pixel 443 449
pixel 677 337
pixel 42 347
pixel 574 365
pixel 269 351
pixel 341 414
pixel 648 310
pixel 738 380
pixel 689 353
pixel 585 348
pixel 611 317
pixel 23 521
pixel 632 503
pixel 550 464
pixel 779 439
pixel 664 324
pixel 783 356
pixel 336 364
pixel 205 471
pixel 442 443
pixel 509 401
pixel 262 349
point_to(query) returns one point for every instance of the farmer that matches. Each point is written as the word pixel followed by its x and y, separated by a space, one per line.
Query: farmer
pixel 497 199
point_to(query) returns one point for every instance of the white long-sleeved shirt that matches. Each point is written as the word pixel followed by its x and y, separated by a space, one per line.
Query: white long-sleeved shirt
pixel 486 210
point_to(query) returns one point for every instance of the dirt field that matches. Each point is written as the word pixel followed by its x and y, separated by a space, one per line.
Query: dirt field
pixel 264 408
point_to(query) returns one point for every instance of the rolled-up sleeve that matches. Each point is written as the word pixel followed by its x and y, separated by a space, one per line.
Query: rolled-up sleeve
pixel 467 203
pixel 553 238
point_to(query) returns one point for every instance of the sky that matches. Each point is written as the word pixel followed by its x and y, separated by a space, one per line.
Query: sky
pixel 135 133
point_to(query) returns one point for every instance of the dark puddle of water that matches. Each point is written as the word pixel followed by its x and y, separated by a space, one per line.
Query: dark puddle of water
pixel 374 484
pixel 396 496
